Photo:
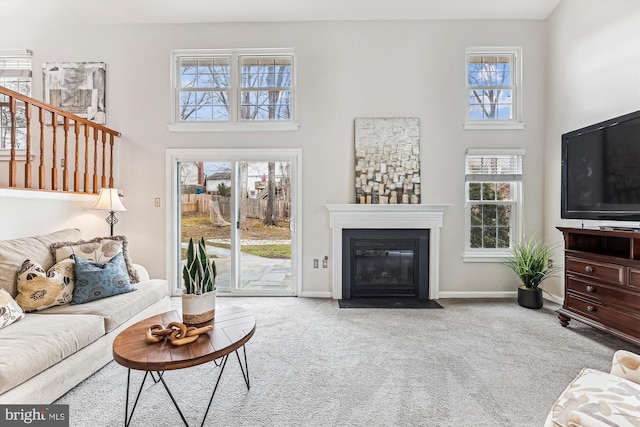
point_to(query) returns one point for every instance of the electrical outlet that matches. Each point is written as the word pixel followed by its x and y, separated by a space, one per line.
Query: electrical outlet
pixel 325 261
pixel 550 263
pixel 62 162
pixel 157 202
pixel 315 263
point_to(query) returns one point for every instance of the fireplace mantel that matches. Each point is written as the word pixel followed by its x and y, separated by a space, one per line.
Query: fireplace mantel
pixel 356 216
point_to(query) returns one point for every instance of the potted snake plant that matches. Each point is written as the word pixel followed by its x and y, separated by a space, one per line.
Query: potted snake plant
pixel 530 261
pixel 199 285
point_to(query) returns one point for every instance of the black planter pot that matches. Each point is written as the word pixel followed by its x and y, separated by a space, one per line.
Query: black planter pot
pixel 530 297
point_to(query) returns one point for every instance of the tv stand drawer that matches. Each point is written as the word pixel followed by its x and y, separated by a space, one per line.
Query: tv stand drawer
pixel 611 296
pixel 600 271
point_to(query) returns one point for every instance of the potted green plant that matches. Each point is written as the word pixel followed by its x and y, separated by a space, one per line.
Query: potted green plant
pixel 530 261
pixel 199 280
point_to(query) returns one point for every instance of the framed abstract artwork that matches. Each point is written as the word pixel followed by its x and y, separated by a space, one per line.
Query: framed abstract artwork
pixel 76 87
pixel 387 159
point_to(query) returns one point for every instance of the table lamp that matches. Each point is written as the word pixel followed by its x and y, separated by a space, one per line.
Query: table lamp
pixel 109 200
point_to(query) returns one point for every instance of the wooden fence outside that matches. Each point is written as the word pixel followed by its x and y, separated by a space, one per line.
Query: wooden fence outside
pixel 255 208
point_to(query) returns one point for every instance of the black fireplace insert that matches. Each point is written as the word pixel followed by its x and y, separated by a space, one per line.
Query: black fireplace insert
pixel 385 263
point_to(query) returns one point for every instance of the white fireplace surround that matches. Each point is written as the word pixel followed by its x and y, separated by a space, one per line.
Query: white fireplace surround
pixel 354 216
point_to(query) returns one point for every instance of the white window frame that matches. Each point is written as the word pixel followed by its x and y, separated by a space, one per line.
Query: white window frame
pixel 517 209
pixel 234 123
pixel 19 57
pixel 515 123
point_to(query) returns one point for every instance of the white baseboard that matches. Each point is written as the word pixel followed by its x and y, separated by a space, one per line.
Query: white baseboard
pixel 472 294
pixel 452 294
pixel 556 299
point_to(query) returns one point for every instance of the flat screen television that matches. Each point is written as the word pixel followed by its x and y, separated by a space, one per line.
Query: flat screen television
pixel 601 170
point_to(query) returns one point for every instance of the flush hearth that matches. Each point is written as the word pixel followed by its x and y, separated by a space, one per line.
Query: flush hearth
pixel 385 263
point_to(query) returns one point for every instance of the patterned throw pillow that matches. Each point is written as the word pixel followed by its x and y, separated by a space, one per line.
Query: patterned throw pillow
pixel 39 289
pixel 95 280
pixel 10 311
pixel 100 249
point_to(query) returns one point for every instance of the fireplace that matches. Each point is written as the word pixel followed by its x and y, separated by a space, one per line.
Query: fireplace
pixel 385 263
pixel 417 218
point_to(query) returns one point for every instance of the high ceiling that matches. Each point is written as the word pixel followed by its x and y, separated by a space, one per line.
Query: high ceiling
pixel 194 11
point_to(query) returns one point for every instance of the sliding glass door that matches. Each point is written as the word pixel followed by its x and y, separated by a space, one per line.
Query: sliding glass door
pixel 243 206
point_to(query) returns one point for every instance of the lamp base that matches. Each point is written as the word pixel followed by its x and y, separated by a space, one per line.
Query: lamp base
pixel 111 220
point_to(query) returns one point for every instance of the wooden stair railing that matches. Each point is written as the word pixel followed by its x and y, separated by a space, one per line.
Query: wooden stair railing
pixel 82 131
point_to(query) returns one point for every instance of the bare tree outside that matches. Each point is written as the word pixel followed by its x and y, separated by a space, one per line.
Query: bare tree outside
pixel 269 217
pixel 490 87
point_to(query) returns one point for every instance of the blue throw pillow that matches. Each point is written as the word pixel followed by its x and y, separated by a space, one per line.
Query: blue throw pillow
pixel 95 280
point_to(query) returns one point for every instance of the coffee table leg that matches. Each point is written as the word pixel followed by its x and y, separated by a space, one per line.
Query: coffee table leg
pixel 222 365
pixel 184 420
pixel 127 416
pixel 246 367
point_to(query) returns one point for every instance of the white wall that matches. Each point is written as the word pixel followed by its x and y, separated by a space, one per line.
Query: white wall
pixel 593 75
pixel 28 213
pixel 345 70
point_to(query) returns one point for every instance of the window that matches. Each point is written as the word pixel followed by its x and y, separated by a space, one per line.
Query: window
pixel 493 191
pixel 493 88
pixel 15 74
pixel 244 89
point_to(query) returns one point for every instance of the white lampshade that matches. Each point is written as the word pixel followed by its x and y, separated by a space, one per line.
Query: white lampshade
pixel 109 200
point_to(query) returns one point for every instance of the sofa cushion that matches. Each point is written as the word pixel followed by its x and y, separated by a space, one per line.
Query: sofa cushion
pixel 117 309
pixel 96 280
pixel 39 289
pixel 595 395
pixel 10 311
pixel 100 249
pixel 38 342
pixel 14 252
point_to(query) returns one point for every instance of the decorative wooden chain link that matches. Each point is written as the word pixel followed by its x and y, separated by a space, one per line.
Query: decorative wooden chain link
pixel 177 333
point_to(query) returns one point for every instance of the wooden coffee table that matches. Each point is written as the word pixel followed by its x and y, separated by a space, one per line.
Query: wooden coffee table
pixel 232 328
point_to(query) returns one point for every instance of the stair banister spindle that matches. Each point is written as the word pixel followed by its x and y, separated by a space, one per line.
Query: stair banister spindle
pixel 95 160
pixel 65 158
pixel 104 146
pixel 41 169
pixel 76 166
pixel 27 164
pixel 12 160
pixel 86 159
pixel 54 151
pixel 111 141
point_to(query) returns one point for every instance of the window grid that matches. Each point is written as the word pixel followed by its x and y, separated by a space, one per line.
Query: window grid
pixel 265 88
pixel 15 74
pixel 234 87
pixel 204 88
pixel 492 85
pixel 493 184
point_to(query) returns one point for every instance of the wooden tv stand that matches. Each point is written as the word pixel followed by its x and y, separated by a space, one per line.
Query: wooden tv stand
pixel 602 280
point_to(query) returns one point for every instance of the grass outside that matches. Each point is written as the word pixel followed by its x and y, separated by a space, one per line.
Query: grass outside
pixel 196 225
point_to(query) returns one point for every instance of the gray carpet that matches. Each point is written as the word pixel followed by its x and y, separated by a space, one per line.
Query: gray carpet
pixel 473 363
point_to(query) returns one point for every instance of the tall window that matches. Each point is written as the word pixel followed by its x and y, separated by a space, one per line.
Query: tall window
pixel 493 189
pixel 234 87
pixel 493 87
pixel 15 74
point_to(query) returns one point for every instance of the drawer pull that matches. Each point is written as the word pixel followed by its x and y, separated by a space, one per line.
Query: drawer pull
pixel 588 269
pixel 591 308
pixel 591 289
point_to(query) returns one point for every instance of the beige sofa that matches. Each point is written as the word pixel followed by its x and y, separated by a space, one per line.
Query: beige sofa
pixel 599 399
pixel 48 352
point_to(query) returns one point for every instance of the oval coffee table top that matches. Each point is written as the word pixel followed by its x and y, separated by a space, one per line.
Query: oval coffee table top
pixel 232 328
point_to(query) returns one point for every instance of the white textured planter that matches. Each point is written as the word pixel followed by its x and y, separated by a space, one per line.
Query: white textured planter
pixel 198 309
